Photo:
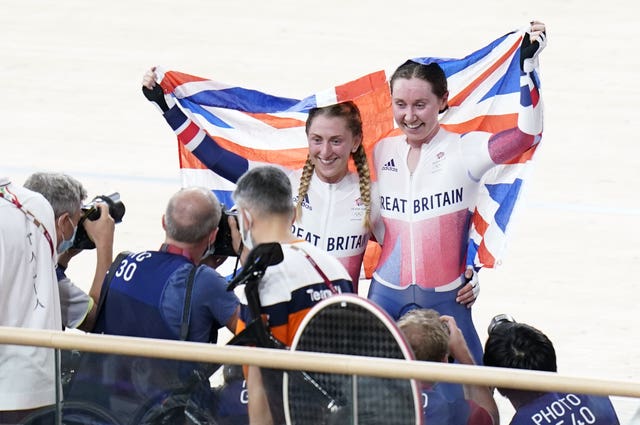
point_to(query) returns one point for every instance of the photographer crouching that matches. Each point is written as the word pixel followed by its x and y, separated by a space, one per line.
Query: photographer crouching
pixel 520 346
pixel 78 227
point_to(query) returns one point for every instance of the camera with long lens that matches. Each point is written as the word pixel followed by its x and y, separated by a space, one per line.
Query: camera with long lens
pixel 498 320
pixel 91 212
pixel 223 245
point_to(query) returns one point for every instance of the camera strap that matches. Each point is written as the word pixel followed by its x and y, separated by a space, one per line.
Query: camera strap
pixel 6 194
pixel 186 309
pixel 318 269
pixel 108 278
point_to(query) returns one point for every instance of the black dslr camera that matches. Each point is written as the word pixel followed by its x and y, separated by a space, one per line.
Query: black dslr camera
pixel 499 320
pixel 91 212
pixel 223 245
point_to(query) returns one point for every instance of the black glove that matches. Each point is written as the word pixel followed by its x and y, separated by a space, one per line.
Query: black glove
pixel 156 95
pixel 529 51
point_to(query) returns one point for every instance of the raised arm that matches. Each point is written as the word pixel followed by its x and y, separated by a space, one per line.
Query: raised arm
pixel 483 150
pixel 101 232
pixel 508 144
pixel 221 161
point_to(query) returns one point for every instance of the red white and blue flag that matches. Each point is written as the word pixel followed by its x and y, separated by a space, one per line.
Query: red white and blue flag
pixel 266 128
pixel 484 94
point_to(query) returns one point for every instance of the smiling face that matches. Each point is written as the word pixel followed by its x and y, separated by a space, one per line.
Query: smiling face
pixel 416 109
pixel 331 143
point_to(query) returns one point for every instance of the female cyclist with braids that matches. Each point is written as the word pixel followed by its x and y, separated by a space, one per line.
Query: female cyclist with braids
pixel 334 206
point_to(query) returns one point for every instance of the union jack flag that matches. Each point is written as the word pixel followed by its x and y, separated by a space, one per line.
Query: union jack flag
pixel 266 128
pixel 484 95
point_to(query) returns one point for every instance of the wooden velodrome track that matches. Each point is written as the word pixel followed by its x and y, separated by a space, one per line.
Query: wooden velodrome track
pixel 71 102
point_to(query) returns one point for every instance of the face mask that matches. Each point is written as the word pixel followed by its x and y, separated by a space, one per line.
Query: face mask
pixel 209 251
pixel 245 235
pixel 67 243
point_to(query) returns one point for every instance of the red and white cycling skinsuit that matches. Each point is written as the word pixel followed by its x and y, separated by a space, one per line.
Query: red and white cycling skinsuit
pixel 426 214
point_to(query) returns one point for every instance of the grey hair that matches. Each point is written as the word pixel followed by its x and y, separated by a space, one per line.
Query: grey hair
pixel 192 214
pixel 64 193
pixel 266 190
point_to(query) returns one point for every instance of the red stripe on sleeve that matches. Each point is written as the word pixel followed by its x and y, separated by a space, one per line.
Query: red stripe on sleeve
pixel 188 133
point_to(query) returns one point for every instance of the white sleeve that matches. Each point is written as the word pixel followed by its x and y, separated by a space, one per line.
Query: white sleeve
pixel 74 302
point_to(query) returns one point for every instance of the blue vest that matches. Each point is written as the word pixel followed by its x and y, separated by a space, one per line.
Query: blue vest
pixel 133 307
pixel 566 409
pixel 133 304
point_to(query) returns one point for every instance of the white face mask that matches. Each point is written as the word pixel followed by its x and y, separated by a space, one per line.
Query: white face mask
pixel 65 244
pixel 245 234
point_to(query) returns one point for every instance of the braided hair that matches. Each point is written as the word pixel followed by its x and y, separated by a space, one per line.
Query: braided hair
pixel 351 114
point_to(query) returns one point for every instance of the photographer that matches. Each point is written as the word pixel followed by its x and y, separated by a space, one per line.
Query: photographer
pixel 434 338
pixel 28 299
pixel 520 346
pixel 162 293
pixel 288 289
pixel 65 194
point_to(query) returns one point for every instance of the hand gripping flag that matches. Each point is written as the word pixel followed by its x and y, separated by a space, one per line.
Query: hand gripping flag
pixel 484 95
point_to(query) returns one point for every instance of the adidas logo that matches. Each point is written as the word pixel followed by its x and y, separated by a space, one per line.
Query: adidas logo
pixel 305 202
pixel 390 166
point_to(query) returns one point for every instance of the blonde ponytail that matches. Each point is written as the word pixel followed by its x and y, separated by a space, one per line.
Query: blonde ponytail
pixel 305 181
pixel 360 159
